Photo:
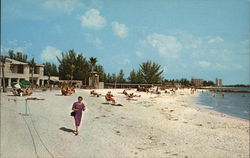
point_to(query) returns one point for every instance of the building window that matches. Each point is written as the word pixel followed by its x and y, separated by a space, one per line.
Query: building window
pixel 20 69
pixel 36 71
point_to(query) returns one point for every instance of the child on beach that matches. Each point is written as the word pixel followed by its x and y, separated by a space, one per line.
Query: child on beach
pixel 78 107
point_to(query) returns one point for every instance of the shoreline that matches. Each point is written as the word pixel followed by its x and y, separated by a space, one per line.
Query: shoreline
pixel 211 109
pixel 149 126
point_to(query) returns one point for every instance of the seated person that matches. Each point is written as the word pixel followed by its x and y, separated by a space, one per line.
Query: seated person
pixel 124 92
pixel 27 92
pixel 94 93
pixel 109 97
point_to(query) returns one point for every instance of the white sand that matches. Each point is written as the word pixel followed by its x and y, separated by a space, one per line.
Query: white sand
pixel 152 126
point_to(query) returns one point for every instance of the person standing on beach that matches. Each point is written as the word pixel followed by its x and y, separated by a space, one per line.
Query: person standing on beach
pixel 78 107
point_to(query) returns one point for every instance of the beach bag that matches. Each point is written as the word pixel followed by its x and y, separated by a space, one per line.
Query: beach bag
pixel 73 113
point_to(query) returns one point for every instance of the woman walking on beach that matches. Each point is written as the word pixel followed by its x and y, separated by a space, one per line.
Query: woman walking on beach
pixel 77 108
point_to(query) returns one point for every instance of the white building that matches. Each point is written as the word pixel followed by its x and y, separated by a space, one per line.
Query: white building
pixel 14 71
pixel 218 82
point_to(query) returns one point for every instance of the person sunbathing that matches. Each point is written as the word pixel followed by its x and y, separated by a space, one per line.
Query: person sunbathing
pixel 94 93
pixel 15 92
pixel 27 92
pixel 124 92
pixel 19 92
pixel 109 97
pixel 71 91
pixel 64 91
pixel 34 98
pixel 131 95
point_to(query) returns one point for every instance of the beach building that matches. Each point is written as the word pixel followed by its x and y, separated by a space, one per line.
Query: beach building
pixel 94 81
pixel 197 82
pixel 218 82
pixel 15 71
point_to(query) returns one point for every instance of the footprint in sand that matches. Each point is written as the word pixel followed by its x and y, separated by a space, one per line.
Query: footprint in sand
pixel 118 133
pixel 199 124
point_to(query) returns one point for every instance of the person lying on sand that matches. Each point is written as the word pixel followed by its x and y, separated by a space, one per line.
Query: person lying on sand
pixel 94 93
pixel 109 97
pixel 142 89
pixel 34 98
pixel 131 95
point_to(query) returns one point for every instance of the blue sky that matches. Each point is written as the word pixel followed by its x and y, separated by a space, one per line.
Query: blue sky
pixel 188 38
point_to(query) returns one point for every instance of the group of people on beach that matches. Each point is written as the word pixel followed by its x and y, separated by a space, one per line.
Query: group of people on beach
pixel 67 91
pixel 21 92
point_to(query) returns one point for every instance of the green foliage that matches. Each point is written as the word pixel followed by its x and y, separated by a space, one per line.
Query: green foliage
pixel 92 62
pixel 208 83
pixel 19 56
pixel 150 72
pixel 50 69
pixel 184 82
pixel 32 64
pixel 132 76
pixel 120 77
pixel 70 66
pixel 77 67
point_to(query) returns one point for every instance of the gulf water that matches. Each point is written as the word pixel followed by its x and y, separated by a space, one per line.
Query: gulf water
pixel 234 104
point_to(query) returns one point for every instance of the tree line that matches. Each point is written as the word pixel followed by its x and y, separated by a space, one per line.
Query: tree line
pixel 74 66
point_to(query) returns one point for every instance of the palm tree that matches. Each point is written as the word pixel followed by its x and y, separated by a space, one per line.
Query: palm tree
pixel 92 62
pixel 151 72
pixel 3 60
pixel 32 65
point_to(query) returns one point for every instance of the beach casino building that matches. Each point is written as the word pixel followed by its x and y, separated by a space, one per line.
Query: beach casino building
pixel 15 71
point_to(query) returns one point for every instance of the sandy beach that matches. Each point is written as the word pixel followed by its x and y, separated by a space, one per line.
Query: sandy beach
pixel 151 126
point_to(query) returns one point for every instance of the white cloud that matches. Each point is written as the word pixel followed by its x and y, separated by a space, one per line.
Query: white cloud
pixel 120 30
pixel 94 41
pixel 63 5
pixel 139 54
pixel 215 40
pixel 237 67
pixel 93 19
pixel 204 63
pixel 50 53
pixel 166 45
pixel 191 41
pixel 219 66
pixel 17 46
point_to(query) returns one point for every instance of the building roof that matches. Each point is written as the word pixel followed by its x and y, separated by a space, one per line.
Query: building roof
pixel 16 62
pixel 12 61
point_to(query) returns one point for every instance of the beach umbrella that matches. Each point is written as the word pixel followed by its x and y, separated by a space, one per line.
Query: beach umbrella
pixel 15 85
pixel 24 83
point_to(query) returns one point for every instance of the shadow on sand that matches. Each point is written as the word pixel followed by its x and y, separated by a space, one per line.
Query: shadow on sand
pixel 67 129
pixel 113 104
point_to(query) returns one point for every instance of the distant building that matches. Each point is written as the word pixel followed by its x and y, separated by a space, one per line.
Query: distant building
pixel 218 82
pixel 197 82
pixel 94 81
pixel 15 71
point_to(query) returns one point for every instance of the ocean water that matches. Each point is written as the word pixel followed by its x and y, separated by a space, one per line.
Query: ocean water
pixel 234 104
